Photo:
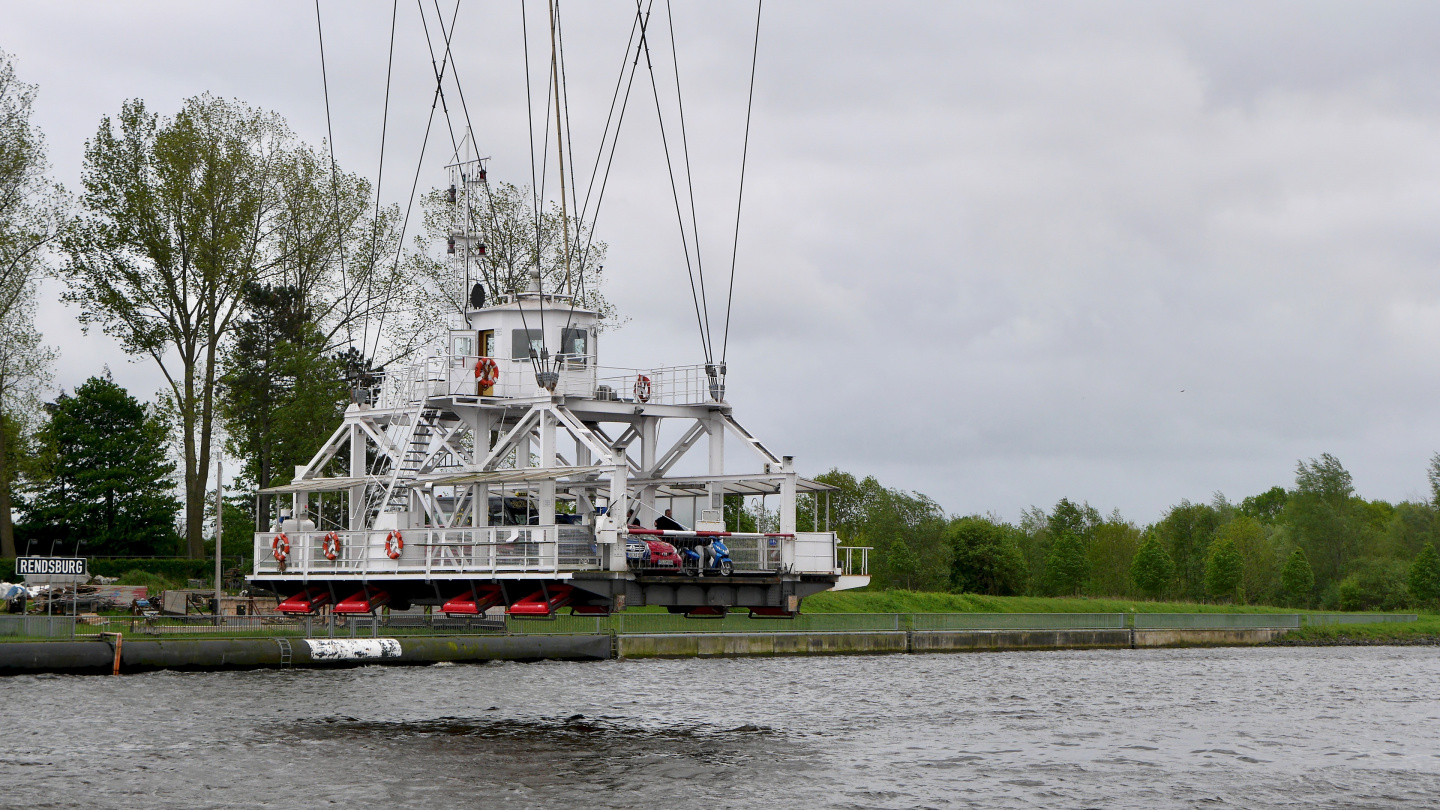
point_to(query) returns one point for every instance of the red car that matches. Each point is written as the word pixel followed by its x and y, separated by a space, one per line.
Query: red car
pixel 647 553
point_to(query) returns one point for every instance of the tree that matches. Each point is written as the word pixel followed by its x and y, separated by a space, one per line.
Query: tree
pixel 503 216
pixel 984 557
pixel 180 216
pixel 31 216
pixel 1330 523
pixel 282 396
pixel 1297 580
pixel 107 482
pixel 901 564
pixel 1261 565
pixel 1267 506
pixel 1152 569
pixel 1187 530
pixel 1112 548
pixel 865 513
pixel 1425 575
pixel 1224 570
pixel 1066 567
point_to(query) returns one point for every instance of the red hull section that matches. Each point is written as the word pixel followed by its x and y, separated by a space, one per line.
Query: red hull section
pixel 473 603
pixel 307 601
pixel 363 601
pixel 543 602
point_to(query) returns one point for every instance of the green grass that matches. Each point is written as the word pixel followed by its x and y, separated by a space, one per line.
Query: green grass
pixel 1428 625
pixel 864 601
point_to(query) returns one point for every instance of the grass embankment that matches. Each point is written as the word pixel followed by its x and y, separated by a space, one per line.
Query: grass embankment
pixel 1425 630
pixel 862 601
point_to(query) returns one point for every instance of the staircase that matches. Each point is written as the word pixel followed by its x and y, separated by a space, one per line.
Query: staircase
pixel 415 450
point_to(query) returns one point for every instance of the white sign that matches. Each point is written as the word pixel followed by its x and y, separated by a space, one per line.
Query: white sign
pixel 47 570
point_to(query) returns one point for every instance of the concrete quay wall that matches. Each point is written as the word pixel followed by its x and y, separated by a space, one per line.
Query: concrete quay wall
pixel 98 656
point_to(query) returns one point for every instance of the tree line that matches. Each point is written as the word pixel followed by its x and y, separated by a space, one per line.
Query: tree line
pixel 1315 543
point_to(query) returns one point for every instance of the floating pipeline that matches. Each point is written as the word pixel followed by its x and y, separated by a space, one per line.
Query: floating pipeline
pixel 98 657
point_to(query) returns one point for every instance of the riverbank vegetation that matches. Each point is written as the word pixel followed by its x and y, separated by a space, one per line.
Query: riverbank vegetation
pixel 1316 544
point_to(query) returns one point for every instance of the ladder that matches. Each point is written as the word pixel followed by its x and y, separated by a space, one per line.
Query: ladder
pixel 415 450
pixel 284 645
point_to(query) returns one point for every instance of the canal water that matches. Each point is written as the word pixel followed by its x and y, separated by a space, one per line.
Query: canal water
pixel 1269 727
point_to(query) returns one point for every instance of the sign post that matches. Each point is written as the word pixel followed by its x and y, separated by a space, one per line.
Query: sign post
pixel 219 530
pixel 50 570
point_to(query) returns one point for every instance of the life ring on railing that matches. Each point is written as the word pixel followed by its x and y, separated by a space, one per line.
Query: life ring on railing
pixel 331 546
pixel 487 372
pixel 394 544
pixel 280 547
pixel 642 388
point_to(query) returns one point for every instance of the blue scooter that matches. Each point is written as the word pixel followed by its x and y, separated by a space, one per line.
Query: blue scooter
pixel 714 555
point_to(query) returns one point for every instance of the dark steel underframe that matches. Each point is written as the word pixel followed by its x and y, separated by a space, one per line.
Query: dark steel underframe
pixel 612 590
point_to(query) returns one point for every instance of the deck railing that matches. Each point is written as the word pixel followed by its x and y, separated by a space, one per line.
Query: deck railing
pixel 578 376
pixel 513 549
pixel 488 550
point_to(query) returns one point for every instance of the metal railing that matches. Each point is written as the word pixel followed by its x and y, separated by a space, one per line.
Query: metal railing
pixel 38 626
pixel 1019 621
pixel 481 550
pixel 846 556
pixel 669 385
pixel 578 376
pixel 1214 621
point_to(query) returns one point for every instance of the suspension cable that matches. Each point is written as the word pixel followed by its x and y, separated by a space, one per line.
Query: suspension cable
pixel 330 131
pixel 690 184
pixel 740 198
pixel 379 179
pixel 675 194
pixel 469 128
pixel 409 206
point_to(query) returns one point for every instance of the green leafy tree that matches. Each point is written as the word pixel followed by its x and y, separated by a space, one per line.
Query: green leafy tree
pixel 1330 523
pixel 282 397
pixel 1297 580
pixel 1425 575
pixel 1187 530
pixel 1067 567
pixel 1267 506
pixel 1261 563
pixel 1152 570
pixel 984 557
pixel 31 217
pixel 1375 584
pixel 107 478
pixel 902 565
pixel 1113 545
pixel 180 215
pixel 866 513
pixel 1224 570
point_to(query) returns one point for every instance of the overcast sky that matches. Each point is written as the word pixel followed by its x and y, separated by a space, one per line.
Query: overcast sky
pixel 998 253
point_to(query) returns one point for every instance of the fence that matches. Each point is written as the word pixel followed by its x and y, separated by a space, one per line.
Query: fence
pixel 1019 621
pixel 330 625
pixel 38 626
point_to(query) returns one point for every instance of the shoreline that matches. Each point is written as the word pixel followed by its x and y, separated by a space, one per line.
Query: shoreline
pixel 126 655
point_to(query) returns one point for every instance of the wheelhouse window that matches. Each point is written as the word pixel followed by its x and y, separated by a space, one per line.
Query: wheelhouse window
pixel 525 343
pixel 462 346
pixel 575 345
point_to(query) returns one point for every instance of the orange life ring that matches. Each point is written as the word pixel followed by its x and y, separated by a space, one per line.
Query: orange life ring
pixel 487 372
pixel 394 544
pixel 331 546
pixel 280 547
pixel 642 388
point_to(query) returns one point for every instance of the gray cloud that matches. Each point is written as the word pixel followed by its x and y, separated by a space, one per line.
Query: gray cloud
pixel 985 247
